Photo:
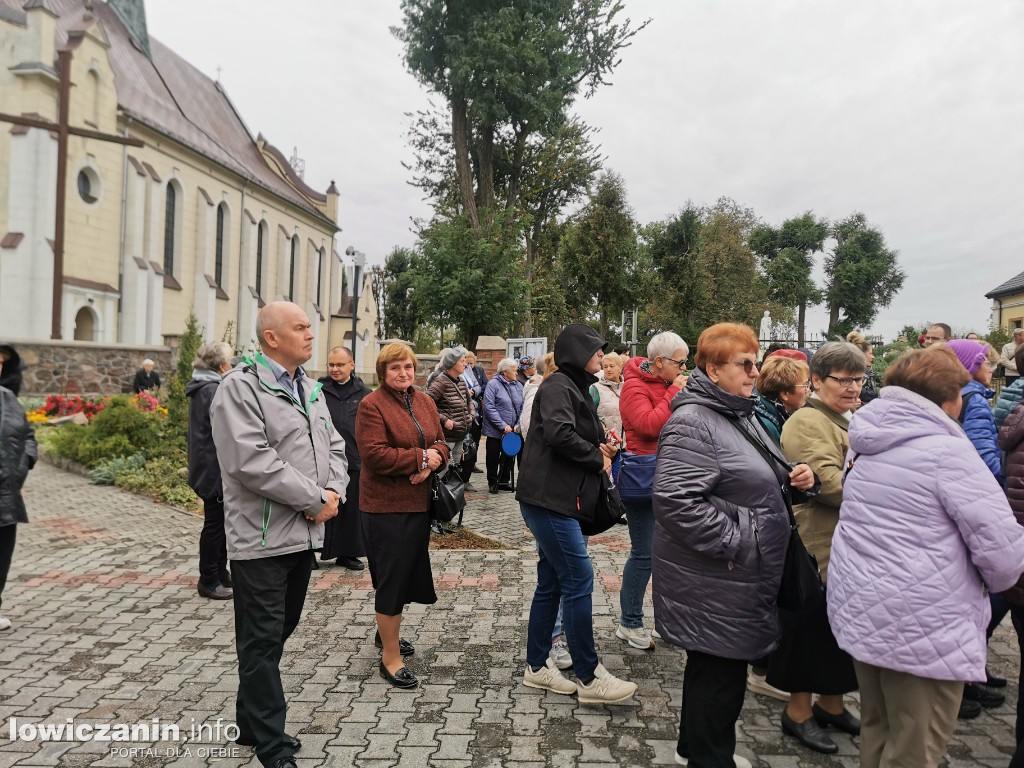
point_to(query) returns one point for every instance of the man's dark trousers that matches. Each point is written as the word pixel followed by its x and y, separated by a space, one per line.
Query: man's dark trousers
pixel 269 595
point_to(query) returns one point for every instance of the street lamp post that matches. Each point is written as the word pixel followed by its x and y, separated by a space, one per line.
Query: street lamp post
pixel 358 262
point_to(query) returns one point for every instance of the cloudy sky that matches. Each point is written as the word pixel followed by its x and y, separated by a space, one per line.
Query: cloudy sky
pixel 911 112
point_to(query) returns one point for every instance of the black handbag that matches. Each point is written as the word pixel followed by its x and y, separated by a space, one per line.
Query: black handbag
pixel 801 589
pixel 447 495
pixel 608 510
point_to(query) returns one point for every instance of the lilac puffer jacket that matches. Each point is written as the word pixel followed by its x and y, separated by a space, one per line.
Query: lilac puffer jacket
pixel 923 529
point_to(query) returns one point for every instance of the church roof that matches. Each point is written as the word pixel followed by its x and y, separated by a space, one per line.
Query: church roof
pixel 169 95
pixel 1013 285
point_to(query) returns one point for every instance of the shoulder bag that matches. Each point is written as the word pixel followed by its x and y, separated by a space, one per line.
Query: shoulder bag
pixel 636 476
pixel 801 589
pixel 608 510
pixel 447 495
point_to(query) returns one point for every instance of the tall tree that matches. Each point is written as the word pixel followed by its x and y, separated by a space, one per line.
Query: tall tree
pixel 599 256
pixel 862 275
pixel 396 284
pixel 787 261
pixel 470 279
pixel 507 69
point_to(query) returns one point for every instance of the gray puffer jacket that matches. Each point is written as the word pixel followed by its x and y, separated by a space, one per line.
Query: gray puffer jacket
pixel 18 453
pixel 721 527
pixel 277 457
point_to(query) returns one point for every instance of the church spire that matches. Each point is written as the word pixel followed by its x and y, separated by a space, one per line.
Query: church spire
pixel 132 14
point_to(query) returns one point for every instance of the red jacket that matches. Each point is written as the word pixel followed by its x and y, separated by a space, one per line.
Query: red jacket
pixel 644 407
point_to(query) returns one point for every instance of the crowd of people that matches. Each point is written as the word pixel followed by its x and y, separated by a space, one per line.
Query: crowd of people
pixel 899 505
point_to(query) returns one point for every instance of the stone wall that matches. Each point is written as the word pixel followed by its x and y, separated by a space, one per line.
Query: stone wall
pixel 84 368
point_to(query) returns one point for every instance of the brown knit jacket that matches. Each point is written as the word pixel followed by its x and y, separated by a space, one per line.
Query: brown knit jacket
pixel 391 449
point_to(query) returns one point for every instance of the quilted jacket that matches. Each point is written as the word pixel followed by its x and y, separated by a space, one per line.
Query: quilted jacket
pixel 1011 440
pixel 644 405
pixel 980 426
pixel 18 453
pixel 503 404
pixel 452 399
pixel 1008 398
pixel 721 527
pixel 924 529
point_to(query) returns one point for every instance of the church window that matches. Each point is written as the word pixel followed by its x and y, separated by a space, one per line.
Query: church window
pixel 319 274
pixel 260 239
pixel 218 264
pixel 88 185
pixel 170 220
pixel 292 266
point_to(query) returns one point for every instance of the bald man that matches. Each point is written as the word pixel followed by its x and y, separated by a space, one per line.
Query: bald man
pixel 284 473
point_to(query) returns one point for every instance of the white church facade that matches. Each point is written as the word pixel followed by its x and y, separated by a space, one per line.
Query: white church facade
pixel 202 217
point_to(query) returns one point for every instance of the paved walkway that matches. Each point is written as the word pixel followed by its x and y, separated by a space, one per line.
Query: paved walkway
pixel 108 629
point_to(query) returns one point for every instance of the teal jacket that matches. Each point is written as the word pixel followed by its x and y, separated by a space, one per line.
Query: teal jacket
pixel 1008 398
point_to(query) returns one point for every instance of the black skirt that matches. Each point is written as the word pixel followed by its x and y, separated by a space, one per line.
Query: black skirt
pixel 398 552
pixel 808 658
pixel 343 535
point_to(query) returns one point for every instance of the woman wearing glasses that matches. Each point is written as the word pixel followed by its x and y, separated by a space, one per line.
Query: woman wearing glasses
pixel 782 389
pixel 649 384
pixel 721 531
pixel 980 360
pixel 808 658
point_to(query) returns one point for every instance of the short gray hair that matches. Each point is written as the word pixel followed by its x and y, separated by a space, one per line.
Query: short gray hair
pixel 213 356
pixel 837 356
pixel 664 344
pixel 1017 331
pixel 505 363
pixel 450 357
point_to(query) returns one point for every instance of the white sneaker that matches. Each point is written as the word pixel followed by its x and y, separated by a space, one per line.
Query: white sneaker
pixel 741 762
pixel 655 635
pixel 605 688
pixel 560 653
pixel 756 684
pixel 548 679
pixel 5 624
pixel 637 638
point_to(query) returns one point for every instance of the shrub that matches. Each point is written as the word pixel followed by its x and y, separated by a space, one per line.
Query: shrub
pixel 107 472
pixel 119 430
pixel 163 479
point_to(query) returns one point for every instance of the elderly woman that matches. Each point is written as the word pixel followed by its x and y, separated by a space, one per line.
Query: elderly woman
pixel 870 390
pixel 606 392
pixel 527 370
pixel 1010 395
pixel 721 531
pixel 146 378
pixel 561 485
pixel 808 658
pixel 925 530
pixel 979 360
pixel 450 394
pixel 545 367
pixel 649 385
pixel 18 452
pixel 782 389
pixel 211 363
pixel 503 408
pixel 400 443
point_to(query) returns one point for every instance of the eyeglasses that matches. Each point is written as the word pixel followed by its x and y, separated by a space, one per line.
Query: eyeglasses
pixel 847 382
pixel 680 363
pixel 991 366
pixel 805 387
pixel 748 366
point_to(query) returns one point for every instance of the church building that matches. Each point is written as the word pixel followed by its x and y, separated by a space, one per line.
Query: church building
pixel 171 203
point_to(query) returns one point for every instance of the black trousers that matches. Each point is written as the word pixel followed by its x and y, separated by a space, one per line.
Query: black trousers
pixel 213 553
pixel 499 466
pixel 713 691
pixel 8 533
pixel 269 595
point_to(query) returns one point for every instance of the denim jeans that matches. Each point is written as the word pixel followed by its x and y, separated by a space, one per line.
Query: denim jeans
pixel 564 572
pixel 637 572
pixel 557 631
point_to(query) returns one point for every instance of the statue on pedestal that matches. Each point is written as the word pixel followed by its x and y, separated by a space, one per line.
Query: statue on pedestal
pixel 765 334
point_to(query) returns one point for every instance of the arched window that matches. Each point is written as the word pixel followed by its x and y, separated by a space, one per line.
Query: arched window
pixel 85 325
pixel 260 240
pixel 218 264
pixel 292 267
pixel 170 220
pixel 319 274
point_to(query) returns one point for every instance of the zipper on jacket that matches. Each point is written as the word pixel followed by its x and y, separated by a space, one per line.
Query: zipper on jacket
pixel 268 509
pixel 753 526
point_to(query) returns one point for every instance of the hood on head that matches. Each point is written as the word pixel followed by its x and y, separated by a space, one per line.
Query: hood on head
pixel 201 378
pixel 897 416
pixel 576 345
pixel 13 362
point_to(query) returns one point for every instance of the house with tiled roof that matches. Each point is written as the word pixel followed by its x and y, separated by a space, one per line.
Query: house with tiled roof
pixel 1008 303
pixel 204 215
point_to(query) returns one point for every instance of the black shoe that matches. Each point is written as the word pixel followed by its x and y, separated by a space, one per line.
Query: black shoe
pixel 283 762
pixel 506 487
pixel 352 563
pixel 289 741
pixel 404 646
pixel 218 592
pixel 403 678
pixel 316 565
pixel 809 734
pixel 477 469
pixel 844 722
pixel 992 681
pixel 492 488
pixel 225 580
pixel 982 695
pixel 968 710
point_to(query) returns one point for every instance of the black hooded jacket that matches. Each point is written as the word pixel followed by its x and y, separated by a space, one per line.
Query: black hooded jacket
pixel 562 460
pixel 10 376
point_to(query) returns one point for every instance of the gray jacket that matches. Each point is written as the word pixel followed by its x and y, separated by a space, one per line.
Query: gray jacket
pixel 276 458
pixel 721 527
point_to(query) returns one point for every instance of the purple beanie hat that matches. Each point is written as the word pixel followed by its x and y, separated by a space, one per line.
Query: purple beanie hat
pixel 971 354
